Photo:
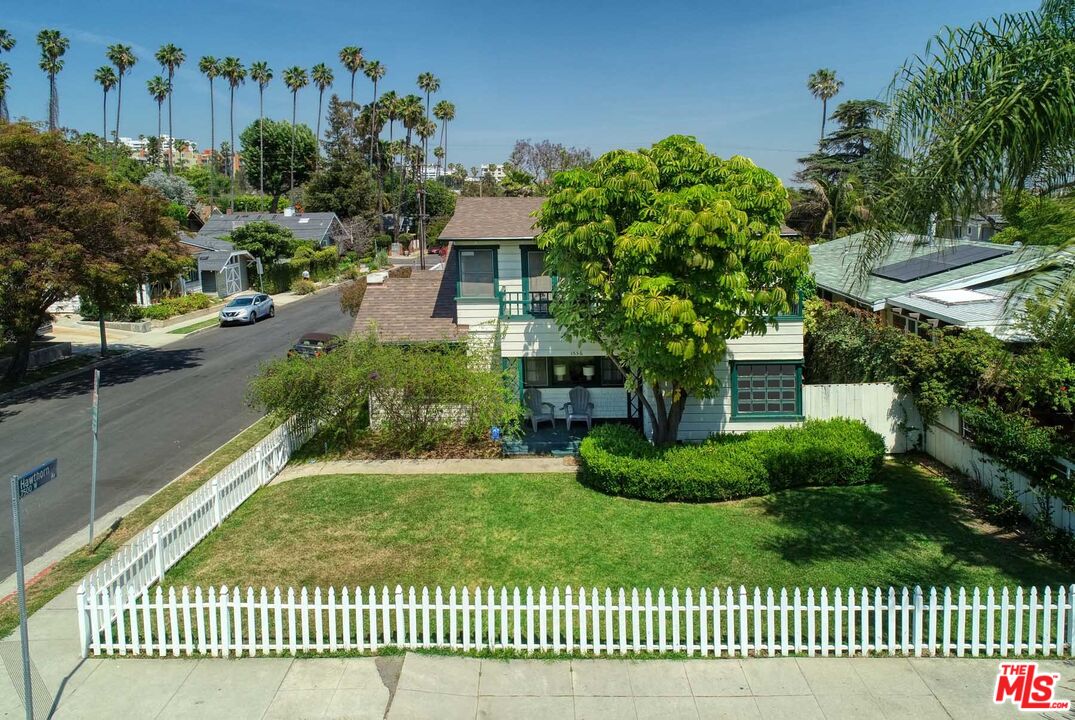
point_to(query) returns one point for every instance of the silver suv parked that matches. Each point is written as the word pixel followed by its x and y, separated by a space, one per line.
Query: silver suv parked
pixel 247 309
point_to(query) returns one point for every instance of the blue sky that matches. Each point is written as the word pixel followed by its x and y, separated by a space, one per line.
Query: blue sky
pixel 601 75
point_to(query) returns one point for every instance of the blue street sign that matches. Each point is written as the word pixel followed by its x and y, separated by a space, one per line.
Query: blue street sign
pixel 30 481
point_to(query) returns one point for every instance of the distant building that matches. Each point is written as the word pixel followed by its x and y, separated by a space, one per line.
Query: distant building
pixel 185 153
pixel 497 171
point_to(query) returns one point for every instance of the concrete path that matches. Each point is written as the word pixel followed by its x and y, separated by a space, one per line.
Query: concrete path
pixel 417 686
pixel 428 467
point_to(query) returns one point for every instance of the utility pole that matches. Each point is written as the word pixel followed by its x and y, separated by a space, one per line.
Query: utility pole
pixel 93 467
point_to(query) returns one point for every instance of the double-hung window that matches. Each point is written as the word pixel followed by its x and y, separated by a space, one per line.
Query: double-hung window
pixel 477 272
pixel 766 389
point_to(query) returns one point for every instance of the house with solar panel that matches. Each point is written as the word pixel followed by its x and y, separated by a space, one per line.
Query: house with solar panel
pixel 923 283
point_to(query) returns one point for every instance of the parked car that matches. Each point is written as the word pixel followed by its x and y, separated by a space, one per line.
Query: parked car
pixel 314 345
pixel 247 309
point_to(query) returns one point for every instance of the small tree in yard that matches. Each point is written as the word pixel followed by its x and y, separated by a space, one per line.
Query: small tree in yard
pixel 265 240
pixel 66 229
pixel 277 141
pixel 662 256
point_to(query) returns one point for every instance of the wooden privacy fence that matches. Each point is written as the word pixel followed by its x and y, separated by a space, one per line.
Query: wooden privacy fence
pixel 146 558
pixel 717 622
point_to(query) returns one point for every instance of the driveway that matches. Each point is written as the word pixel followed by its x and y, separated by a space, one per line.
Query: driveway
pixel 161 412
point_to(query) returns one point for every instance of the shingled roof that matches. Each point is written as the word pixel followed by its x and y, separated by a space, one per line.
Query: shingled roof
pixel 318 226
pixel 420 308
pixel 495 218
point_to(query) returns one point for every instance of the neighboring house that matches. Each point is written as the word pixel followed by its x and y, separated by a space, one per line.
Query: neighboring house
pixel 493 291
pixel 324 229
pixel 923 283
pixel 222 269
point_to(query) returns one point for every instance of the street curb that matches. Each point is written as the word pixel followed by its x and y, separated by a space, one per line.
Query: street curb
pixel 12 394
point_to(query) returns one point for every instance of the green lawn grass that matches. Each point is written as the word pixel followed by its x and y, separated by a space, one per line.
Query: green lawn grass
pixel 209 322
pixel 71 362
pixel 909 528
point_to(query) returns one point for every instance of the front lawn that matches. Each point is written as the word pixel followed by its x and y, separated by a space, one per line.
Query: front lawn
pixel 549 530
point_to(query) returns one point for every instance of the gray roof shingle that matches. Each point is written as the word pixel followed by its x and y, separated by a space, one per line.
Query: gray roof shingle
pixel 496 218
pixel 837 266
pixel 307 226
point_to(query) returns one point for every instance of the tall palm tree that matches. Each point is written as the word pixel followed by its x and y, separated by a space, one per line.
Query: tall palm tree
pixel 233 71
pixel 106 78
pixel 170 57
pixel 5 76
pixel 123 58
pixel 374 71
pixel 7 42
pixel 425 129
pixel 352 60
pixel 296 79
pixel 389 102
pixel 824 84
pixel 261 73
pixel 53 46
pixel 438 152
pixel 429 83
pixel 445 112
pixel 210 67
pixel 322 76
pixel 410 112
pixel 158 90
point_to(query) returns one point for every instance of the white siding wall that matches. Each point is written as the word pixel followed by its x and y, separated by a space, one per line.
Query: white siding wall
pixel 540 337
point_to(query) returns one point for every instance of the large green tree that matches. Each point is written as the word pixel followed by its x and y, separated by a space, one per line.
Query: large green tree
pixel 66 228
pixel 343 183
pixel 662 256
pixel 265 240
pixel 277 155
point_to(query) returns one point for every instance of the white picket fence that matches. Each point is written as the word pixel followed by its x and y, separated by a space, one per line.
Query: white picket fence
pixel 144 560
pixel 230 622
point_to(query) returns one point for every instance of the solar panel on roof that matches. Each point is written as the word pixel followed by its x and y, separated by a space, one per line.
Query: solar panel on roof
pixel 938 262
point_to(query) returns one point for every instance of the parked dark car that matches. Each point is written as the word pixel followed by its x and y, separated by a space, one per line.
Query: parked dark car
pixel 314 345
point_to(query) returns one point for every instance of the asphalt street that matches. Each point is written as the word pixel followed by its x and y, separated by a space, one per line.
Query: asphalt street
pixel 161 412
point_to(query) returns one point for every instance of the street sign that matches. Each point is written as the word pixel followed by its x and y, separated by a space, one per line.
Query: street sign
pixel 21 486
pixel 32 480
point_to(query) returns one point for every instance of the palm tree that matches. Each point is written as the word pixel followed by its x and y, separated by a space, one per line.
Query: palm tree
pixel 53 46
pixel 106 78
pixel 425 129
pixel 5 75
pixel 233 71
pixel 429 83
pixel 374 71
pixel 389 102
pixel 123 58
pixel 445 112
pixel 322 77
pixel 824 84
pixel 261 73
pixel 352 60
pixel 296 79
pixel 158 89
pixel 210 67
pixel 170 57
pixel 7 42
pixel 410 112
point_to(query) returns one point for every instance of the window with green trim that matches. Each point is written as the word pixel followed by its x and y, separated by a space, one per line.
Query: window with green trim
pixel 767 389
pixel 477 272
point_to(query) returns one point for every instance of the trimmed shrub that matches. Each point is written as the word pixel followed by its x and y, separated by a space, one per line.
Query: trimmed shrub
pixel 303 287
pixel 617 460
pixel 170 307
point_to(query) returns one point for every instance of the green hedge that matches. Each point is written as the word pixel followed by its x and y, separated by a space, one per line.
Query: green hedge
pixel 617 460
pixel 170 307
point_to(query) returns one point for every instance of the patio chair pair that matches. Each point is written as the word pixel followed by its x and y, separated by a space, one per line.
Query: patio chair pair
pixel 578 408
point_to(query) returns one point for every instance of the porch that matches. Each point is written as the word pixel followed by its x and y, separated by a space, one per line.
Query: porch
pixel 555 439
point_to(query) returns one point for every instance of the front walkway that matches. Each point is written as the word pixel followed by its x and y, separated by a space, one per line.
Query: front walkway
pixel 494 466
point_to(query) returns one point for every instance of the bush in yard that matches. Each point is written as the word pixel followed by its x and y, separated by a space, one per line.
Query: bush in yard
pixel 617 460
pixel 352 294
pixel 170 307
pixel 420 396
pixel 303 287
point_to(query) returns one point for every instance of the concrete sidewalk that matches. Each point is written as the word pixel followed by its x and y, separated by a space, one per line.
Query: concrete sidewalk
pixel 428 467
pixel 417 686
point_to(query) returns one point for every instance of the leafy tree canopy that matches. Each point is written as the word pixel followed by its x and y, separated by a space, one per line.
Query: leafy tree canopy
pixel 174 188
pixel 66 229
pixel 205 182
pixel 1037 219
pixel 343 183
pixel 266 240
pixel 542 160
pixel 278 156
pixel 662 256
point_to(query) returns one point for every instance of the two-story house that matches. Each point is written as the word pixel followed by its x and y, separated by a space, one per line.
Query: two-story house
pixel 495 278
